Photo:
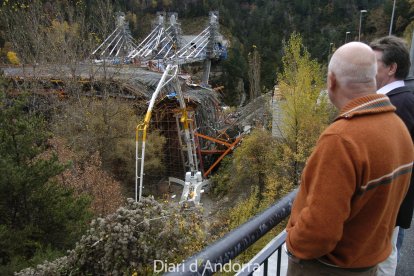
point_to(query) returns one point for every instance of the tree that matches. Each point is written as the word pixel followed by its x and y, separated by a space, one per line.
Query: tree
pixel 254 73
pixel 270 167
pixel 250 165
pixel 242 212
pixel 36 214
pixel 24 27
pixel 304 105
pixel 107 126
pixel 251 178
pixel 57 36
pixel 87 177
pixel 234 72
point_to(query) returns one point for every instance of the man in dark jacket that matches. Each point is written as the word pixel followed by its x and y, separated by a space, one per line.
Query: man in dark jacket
pixel 393 60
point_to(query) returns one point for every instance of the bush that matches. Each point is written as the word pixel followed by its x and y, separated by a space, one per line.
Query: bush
pixel 130 240
pixel 12 58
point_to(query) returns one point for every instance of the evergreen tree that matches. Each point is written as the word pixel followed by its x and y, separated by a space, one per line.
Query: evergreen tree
pixel 36 214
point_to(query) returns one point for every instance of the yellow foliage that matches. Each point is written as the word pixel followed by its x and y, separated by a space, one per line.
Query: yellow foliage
pixel 166 3
pixel 244 210
pixel 408 33
pixel 252 162
pixel 62 32
pixel 305 107
pixel 12 58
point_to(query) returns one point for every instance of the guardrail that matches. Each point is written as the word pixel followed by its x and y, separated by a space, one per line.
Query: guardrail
pixel 214 257
pixel 260 262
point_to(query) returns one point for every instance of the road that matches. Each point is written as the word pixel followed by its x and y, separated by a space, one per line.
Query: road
pixel 406 265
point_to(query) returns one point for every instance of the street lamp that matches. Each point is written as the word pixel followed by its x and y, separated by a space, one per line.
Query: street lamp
pixel 329 51
pixel 360 21
pixel 392 18
pixel 346 36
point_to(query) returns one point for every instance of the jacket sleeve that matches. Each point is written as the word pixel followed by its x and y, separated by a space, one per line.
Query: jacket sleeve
pixel 323 203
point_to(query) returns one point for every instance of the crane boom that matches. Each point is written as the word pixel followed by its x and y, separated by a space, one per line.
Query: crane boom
pixel 192 186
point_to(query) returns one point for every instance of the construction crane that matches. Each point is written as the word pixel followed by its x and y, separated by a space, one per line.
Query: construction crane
pixel 194 182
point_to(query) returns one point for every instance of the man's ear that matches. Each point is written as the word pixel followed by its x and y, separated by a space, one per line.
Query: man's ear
pixel 393 69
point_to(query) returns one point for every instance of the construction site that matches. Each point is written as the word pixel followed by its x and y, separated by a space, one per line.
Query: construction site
pixel 183 107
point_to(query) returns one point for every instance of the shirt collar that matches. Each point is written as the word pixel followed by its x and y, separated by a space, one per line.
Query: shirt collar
pixel 391 86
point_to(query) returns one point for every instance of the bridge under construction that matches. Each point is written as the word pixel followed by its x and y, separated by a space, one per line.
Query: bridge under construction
pixel 188 113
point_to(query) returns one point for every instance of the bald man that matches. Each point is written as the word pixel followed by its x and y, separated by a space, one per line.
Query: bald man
pixel 344 214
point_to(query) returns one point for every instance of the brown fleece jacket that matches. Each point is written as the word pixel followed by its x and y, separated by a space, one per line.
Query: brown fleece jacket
pixel 352 186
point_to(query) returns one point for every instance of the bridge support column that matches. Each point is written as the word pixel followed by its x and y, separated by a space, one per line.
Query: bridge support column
pixel 206 72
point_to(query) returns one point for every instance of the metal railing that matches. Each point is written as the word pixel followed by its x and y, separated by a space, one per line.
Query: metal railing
pixel 260 262
pixel 214 257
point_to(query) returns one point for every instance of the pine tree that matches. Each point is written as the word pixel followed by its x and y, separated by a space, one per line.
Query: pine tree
pixel 36 214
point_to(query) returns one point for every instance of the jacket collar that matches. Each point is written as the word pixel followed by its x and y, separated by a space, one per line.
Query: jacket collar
pixel 370 104
pixel 391 86
pixel 403 89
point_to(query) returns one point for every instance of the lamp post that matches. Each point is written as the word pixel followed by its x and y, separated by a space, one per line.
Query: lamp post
pixel 360 22
pixel 392 18
pixel 329 51
pixel 346 36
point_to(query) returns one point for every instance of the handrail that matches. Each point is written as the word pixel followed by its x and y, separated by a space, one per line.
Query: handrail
pixel 235 242
pixel 262 257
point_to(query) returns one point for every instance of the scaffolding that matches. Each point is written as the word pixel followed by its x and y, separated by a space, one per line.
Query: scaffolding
pixel 193 184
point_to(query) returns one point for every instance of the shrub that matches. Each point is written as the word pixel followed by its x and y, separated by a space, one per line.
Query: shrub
pixel 130 240
pixel 12 58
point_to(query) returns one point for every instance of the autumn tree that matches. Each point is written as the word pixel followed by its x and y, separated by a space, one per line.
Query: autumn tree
pixel 107 126
pixel 12 58
pixel 304 105
pixel 87 177
pixel 408 32
pixel 250 178
pixel 264 168
pixel 55 36
pixel 250 165
pixel 24 27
